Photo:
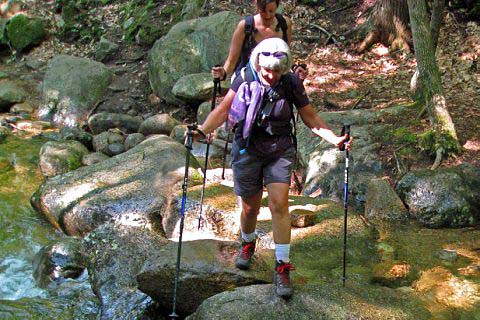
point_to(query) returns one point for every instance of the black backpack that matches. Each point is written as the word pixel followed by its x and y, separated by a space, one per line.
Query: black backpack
pixel 249 41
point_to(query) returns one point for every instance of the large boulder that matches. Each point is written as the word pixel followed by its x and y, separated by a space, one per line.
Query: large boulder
pixel 446 197
pixel 71 89
pixel 24 32
pixel 192 46
pixel 325 164
pixel 115 254
pixel 206 265
pixel 310 302
pixel 139 184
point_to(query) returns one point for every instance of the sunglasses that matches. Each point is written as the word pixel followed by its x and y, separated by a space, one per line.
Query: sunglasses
pixel 277 54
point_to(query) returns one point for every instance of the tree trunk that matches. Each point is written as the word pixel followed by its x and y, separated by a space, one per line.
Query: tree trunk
pixel 444 137
pixel 389 25
pixel 438 13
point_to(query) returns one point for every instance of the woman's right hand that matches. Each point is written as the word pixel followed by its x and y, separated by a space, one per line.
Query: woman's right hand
pixel 219 73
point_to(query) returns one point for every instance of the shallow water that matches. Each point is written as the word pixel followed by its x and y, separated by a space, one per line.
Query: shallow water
pixel 22 233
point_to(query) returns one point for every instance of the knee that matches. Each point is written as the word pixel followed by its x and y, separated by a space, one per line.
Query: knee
pixel 250 211
pixel 278 207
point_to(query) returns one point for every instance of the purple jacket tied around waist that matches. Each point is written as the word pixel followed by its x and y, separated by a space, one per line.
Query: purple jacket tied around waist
pixel 245 106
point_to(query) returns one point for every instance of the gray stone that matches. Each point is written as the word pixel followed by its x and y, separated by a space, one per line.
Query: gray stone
pixel 178 133
pixel 140 184
pixel 171 56
pixel 158 124
pixel 58 157
pixel 103 121
pixel 94 157
pixel 104 139
pixel 23 107
pixel 383 203
pixel 446 197
pixel 105 49
pixel 309 302
pixel 196 87
pixel 58 261
pixel 75 133
pixel 72 87
pixel 203 111
pixel 11 93
pixel 114 149
pixel 202 269
pixel 133 139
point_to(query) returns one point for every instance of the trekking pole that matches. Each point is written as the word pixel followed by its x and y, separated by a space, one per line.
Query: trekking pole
pixel 188 145
pixel 216 85
pixel 225 151
pixel 345 131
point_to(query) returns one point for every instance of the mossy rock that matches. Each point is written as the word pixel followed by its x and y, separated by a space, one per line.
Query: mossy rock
pixel 24 32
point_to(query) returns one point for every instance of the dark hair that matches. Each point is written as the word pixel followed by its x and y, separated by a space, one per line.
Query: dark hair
pixel 262 4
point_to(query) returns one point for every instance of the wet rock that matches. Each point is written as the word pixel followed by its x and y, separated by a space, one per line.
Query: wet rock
pixel 158 124
pixel 103 121
pixel 115 255
pixel 302 218
pixel 309 302
pixel 60 157
pixel 446 197
pixel 441 286
pixel 58 261
pixel 140 184
pixel 207 265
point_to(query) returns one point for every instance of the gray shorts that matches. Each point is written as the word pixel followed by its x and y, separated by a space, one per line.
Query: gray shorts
pixel 251 172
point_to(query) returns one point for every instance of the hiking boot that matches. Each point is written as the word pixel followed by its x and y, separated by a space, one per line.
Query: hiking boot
pixel 283 284
pixel 244 258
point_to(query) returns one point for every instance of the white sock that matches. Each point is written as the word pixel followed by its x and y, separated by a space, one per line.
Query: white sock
pixel 248 237
pixel 282 252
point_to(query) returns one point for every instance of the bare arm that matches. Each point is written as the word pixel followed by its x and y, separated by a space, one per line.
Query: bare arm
pixel 319 126
pixel 219 115
pixel 233 53
pixel 289 30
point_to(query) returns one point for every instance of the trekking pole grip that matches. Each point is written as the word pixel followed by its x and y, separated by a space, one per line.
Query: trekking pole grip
pixel 345 131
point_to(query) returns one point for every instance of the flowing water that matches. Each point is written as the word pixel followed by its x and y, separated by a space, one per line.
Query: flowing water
pixel 22 233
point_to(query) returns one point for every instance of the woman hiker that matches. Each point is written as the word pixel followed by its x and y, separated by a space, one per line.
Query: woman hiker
pixel 263 149
pixel 250 31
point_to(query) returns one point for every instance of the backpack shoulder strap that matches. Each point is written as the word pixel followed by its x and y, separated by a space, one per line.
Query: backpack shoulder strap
pixel 283 25
pixel 249 28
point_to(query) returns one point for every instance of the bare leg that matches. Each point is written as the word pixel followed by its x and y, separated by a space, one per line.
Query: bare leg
pixel 250 210
pixel 278 204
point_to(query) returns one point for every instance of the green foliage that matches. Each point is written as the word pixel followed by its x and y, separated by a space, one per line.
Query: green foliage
pixel 79 20
pixel 430 142
pixel 139 20
pixel 400 135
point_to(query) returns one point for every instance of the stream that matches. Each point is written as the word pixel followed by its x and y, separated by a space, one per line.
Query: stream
pixel 23 232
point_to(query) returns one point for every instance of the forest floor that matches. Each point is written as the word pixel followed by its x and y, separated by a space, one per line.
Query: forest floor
pixel 339 78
